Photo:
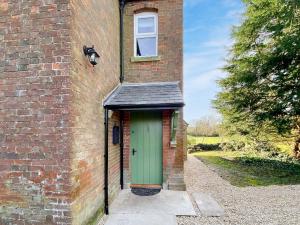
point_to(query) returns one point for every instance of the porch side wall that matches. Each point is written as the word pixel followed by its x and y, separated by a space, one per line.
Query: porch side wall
pixel 93 23
pixel 126 149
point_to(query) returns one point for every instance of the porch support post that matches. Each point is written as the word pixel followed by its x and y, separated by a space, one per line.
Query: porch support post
pixel 121 150
pixel 106 162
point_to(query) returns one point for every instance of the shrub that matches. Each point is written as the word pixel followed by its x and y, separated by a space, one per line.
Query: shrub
pixel 233 146
pixel 205 147
pixel 262 146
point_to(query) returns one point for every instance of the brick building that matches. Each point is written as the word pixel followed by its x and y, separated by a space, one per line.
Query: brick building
pixel 73 134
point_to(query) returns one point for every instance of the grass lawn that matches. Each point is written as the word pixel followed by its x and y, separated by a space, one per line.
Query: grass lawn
pixel 284 145
pixel 193 140
pixel 247 169
pixel 204 140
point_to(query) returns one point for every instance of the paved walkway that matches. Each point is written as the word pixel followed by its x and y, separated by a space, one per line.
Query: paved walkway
pixel 272 205
pixel 159 209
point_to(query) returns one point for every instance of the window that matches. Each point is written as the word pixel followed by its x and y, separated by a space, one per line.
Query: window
pixel 174 125
pixel 145 34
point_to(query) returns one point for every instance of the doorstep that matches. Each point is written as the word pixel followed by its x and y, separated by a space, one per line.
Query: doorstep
pixel 207 205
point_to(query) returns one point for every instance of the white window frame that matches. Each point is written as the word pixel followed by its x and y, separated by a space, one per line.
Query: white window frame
pixel 145 35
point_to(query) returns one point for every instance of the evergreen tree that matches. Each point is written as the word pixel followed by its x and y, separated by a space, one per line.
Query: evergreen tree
pixel 263 85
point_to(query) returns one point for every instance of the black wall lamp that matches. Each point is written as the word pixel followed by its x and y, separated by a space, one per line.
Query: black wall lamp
pixel 92 54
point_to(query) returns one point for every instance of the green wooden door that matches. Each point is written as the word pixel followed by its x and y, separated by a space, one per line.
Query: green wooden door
pixel 146 147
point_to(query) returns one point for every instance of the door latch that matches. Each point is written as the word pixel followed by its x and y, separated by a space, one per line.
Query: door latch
pixel 133 151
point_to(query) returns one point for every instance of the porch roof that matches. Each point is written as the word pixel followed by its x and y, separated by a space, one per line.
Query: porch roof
pixel 145 96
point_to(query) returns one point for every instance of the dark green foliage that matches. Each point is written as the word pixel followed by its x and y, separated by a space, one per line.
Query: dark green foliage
pixel 256 147
pixel 263 86
pixel 233 146
pixel 205 147
pixel 251 171
pixel 262 146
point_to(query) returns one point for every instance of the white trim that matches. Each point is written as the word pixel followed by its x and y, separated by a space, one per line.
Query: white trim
pixel 145 35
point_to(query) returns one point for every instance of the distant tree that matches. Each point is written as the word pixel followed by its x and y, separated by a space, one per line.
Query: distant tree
pixel 263 86
pixel 205 126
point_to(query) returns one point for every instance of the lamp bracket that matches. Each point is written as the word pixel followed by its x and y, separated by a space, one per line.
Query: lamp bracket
pixel 89 51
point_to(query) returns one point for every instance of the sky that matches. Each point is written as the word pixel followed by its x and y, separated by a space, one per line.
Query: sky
pixel 207 39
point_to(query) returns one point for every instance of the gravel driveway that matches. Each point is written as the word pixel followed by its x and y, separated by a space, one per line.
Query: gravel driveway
pixel 278 205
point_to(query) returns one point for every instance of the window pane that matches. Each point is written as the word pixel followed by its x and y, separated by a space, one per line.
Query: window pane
pixel 146 46
pixel 146 25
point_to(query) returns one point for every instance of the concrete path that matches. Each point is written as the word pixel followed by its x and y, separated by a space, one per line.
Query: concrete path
pixel 160 209
pixel 141 219
pixel 207 205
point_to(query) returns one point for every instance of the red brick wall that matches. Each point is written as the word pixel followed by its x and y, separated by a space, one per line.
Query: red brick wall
pixel 173 155
pixel 170 48
pixel 168 151
pixel 93 23
pixel 126 138
pixel 51 115
pixel 126 148
pixel 34 112
pixel 113 159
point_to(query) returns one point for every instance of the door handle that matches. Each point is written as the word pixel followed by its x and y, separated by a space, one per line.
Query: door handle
pixel 133 151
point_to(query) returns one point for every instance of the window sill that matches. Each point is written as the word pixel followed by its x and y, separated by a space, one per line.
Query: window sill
pixel 145 59
pixel 173 144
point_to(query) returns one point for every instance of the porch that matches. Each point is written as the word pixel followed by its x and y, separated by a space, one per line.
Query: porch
pixel 151 137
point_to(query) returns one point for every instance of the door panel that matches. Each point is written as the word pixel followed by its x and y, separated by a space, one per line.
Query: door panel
pixel 146 141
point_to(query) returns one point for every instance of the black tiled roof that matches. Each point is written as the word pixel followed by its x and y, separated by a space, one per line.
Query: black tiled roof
pixel 145 95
